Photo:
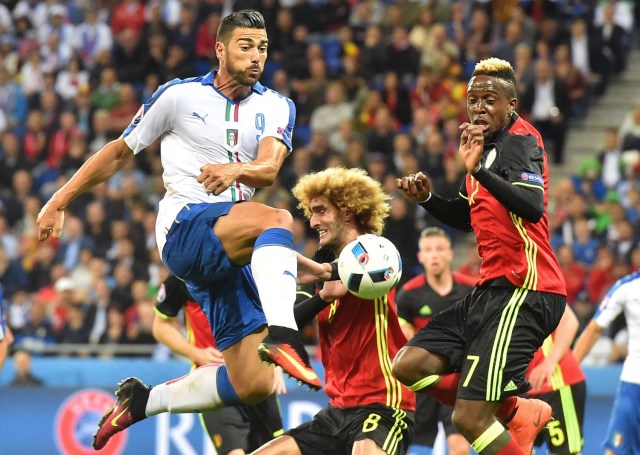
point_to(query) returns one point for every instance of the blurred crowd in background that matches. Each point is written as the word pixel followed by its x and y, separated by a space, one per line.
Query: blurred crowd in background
pixel 377 85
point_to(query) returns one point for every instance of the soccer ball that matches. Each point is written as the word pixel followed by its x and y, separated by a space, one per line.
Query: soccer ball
pixel 370 266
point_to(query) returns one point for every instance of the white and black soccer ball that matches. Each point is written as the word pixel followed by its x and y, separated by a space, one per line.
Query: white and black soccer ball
pixel 370 266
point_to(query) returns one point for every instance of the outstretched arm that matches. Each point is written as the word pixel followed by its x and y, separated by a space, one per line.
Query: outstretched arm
pixel 166 332
pixel 454 212
pixel 563 337
pixel 586 340
pixel 105 163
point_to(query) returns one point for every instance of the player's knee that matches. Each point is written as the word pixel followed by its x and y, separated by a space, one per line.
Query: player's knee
pixel 283 219
pixel 252 390
pixel 401 369
pixel 406 367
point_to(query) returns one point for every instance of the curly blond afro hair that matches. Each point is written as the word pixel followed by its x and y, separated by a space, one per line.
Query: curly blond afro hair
pixel 350 190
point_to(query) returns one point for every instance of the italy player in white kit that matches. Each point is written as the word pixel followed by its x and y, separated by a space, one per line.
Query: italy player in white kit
pixel 222 136
pixel 623 435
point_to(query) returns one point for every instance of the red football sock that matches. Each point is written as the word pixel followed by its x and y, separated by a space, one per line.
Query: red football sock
pixel 446 389
pixel 510 449
pixel 507 409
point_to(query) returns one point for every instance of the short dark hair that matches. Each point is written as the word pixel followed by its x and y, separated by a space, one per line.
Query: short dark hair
pixel 245 18
pixel 434 231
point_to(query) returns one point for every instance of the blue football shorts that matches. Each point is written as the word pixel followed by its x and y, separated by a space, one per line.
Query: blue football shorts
pixel 623 435
pixel 227 293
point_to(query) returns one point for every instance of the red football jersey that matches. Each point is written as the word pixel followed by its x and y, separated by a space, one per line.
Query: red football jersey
pixel 567 372
pixel 198 329
pixel 358 340
pixel 509 245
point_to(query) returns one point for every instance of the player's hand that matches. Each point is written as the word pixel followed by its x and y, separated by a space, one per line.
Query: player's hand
pixel 333 290
pixel 50 221
pixel 206 356
pixel 216 178
pixel 541 375
pixel 279 386
pixel 310 271
pixel 415 186
pixel 471 145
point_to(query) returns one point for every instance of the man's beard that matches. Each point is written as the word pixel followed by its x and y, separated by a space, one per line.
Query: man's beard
pixel 241 76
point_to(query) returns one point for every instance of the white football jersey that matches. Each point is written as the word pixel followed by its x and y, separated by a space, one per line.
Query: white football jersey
pixel 625 296
pixel 198 125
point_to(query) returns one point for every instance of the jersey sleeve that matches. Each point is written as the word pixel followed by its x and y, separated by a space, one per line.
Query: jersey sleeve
pixel 280 121
pixel 404 305
pixel 153 119
pixel 522 162
pixel 612 305
pixel 172 296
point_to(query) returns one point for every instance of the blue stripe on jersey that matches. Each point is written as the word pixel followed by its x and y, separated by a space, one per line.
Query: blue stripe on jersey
pixel 622 281
pixel 146 106
pixel 287 138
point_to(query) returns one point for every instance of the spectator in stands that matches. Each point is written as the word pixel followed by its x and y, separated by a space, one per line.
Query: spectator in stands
pixel 629 132
pixel 60 140
pixel 155 23
pixel 13 277
pixel 396 97
pixel 24 376
pixel 373 54
pixel 205 43
pixel 185 32
pixel 130 57
pixel 548 105
pixel 115 332
pixel 72 243
pixel 401 56
pixel 12 158
pixel 92 38
pixel 107 94
pixel 335 110
pixel 37 333
pixel 120 115
pixel 32 73
pixel 587 56
pixel 70 79
pixel 613 38
pixel 574 272
pixel 121 292
pixel 602 274
pixel 610 159
pixel 13 102
pixel 128 14
pixel 572 78
pixel 584 245
pixel 622 240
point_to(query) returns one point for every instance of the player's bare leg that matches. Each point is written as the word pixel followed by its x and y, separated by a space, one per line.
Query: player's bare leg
pixel 367 447
pixel 243 379
pixel 259 234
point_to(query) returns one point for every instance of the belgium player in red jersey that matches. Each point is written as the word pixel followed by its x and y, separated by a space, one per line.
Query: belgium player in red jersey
pixel 369 411
pixel 476 353
pixel 556 377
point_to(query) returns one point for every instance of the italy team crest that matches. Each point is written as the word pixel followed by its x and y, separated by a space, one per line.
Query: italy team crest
pixel 232 137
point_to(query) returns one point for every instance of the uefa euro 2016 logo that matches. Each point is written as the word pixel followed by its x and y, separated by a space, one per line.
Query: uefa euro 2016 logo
pixel 77 421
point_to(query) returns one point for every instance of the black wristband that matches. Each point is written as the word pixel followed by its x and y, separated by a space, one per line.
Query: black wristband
pixel 334 272
pixel 305 311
